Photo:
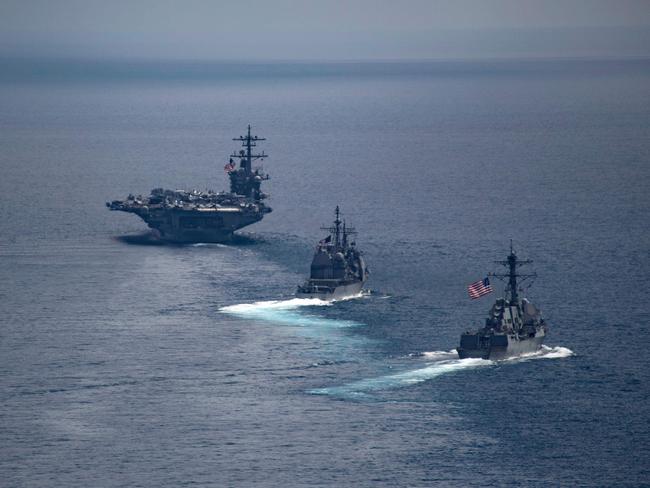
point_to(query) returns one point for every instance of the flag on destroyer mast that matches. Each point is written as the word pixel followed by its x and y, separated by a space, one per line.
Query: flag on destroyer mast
pixel 479 288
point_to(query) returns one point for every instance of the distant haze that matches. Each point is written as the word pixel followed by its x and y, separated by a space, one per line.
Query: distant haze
pixel 324 30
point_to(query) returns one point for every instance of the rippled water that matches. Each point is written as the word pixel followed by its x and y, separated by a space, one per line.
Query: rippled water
pixel 127 364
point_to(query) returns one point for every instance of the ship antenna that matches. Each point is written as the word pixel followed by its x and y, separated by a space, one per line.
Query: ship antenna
pixel 512 278
pixel 337 234
pixel 337 223
pixel 249 161
pixel 512 263
pixel 247 158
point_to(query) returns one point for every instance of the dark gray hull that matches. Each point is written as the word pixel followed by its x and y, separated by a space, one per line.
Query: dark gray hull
pixel 334 293
pixel 193 226
pixel 498 346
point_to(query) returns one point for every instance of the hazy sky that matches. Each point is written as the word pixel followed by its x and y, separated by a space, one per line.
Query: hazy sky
pixel 336 29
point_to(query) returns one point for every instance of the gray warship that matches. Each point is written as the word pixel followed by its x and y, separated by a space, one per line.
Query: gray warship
pixel 514 325
pixel 192 216
pixel 337 269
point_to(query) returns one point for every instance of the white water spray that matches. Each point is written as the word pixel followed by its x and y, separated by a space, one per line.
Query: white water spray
pixel 287 312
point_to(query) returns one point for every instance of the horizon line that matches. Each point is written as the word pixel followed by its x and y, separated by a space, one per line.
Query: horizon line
pixel 174 60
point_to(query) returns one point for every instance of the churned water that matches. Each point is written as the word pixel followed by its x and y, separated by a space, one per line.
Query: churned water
pixel 124 364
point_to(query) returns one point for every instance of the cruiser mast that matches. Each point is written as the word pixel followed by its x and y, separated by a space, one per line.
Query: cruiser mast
pixel 337 223
pixel 340 237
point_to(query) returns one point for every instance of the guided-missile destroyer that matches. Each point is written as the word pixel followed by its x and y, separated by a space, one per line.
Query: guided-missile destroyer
pixel 514 325
pixel 337 269
pixel 188 216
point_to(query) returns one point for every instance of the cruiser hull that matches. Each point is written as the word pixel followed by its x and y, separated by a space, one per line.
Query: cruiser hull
pixel 338 293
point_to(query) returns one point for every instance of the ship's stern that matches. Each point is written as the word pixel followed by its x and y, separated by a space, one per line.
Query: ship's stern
pixel 473 345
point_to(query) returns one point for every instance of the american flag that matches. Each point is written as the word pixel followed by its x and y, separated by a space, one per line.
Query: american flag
pixel 229 167
pixel 479 288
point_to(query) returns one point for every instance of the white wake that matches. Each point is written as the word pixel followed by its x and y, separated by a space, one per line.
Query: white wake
pixel 440 355
pixel 545 352
pixel 287 312
pixel 400 380
pixel 444 362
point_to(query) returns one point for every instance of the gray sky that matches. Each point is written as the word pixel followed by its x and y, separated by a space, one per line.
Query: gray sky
pixel 336 29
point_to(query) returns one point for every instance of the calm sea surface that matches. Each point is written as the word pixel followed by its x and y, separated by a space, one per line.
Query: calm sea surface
pixel 138 365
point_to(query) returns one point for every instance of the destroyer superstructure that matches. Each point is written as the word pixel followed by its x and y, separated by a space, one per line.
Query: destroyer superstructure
pixel 188 216
pixel 337 269
pixel 514 325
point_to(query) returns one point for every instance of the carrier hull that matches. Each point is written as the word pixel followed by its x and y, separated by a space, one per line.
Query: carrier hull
pixel 193 226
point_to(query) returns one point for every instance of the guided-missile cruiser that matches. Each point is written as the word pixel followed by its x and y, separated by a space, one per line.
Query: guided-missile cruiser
pixel 514 326
pixel 337 269
pixel 190 216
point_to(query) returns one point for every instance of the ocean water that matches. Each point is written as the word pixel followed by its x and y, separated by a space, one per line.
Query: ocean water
pixel 124 364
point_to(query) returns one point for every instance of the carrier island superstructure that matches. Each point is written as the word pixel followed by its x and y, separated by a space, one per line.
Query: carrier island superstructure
pixel 192 216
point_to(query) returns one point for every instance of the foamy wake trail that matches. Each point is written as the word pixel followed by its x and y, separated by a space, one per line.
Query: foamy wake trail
pixel 443 364
pixel 286 312
pixel 545 352
pixel 290 304
pixel 440 355
pixel 208 244
pixel 399 380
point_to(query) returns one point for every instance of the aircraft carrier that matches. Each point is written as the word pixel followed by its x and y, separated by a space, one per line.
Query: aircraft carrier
pixel 193 216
